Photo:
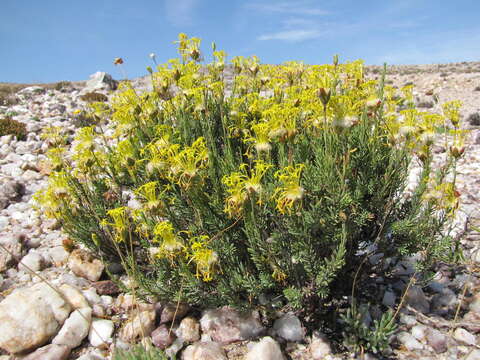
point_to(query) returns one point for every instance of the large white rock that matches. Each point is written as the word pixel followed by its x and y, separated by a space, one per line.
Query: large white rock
pixel 289 327
pixel 75 328
pixel 101 332
pixel 100 81
pixel 265 349
pixel 30 317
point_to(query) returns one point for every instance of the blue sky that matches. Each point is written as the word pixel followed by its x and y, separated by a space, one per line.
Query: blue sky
pixel 53 40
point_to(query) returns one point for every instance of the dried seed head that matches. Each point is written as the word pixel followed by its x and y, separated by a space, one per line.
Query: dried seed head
pixel 118 61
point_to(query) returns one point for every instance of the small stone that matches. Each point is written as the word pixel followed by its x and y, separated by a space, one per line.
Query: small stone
pixel 437 341
pixel 265 349
pixel 227 325
pixel 75 328
pixel 389 298
pixel 74 296
pixel 416 298
pixel 204 351
pixel 85 265
pixel 163 337
pixel 409 341
pixel 172 311
pixel 33 261
pixel 58 255
pixel 106 287
pixel 408 320
pixel 189 330
pixel 475 304
pixel 464 336
pixel 419 332
pixel 289 327
pixel 319 346
pixel 49 352
pixel 140 325
pixel 14 247
pixel 101 332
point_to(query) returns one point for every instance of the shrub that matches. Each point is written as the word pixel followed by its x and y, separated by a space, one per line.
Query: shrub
pixel 8 126
pixel 272 191
pixel 94 97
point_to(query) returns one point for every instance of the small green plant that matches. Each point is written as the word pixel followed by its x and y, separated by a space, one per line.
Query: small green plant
pixel 62 86
pixel 8 126
pixel 91 97
pixel 138 352
pixel 359 336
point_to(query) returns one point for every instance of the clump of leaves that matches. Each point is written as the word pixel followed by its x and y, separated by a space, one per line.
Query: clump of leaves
pixel 139 352
pixel 360 336
pixel 8 126
pixel 269 189
pixel 91 97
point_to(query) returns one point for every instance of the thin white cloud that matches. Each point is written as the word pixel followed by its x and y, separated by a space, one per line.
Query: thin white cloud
pixel 291 35
pixel 180 12
pixel 288 7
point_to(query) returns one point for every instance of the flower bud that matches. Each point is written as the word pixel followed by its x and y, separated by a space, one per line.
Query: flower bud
pixel 324 96
pixel 118 61
pixel 457 151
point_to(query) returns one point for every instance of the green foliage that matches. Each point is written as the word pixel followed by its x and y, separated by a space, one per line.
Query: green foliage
pixel 91 97
pixel 9 126
pixel 62 86
pixel 138 352
pixel 359 336
pixel 270 188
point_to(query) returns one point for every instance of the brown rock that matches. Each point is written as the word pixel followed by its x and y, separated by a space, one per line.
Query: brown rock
pixel 171 311
pixel 163 337
pixel 106 287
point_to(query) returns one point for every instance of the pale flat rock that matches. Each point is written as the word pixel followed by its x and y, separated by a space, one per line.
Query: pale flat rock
pixel 83 264
pixel 464 336
pixel 75 328
pixel 74 296
pixel 227 325
pixel 204 351
pixel 139 326
pixel 101 332
pixel 265 349
pixel 50 352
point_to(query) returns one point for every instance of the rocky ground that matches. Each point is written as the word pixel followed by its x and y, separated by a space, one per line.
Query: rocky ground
pixel 56 304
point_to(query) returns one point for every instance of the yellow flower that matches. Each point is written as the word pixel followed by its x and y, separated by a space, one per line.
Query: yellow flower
pixel 204 258
pixel 241 186
pixel 171 243
pixel 290 193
